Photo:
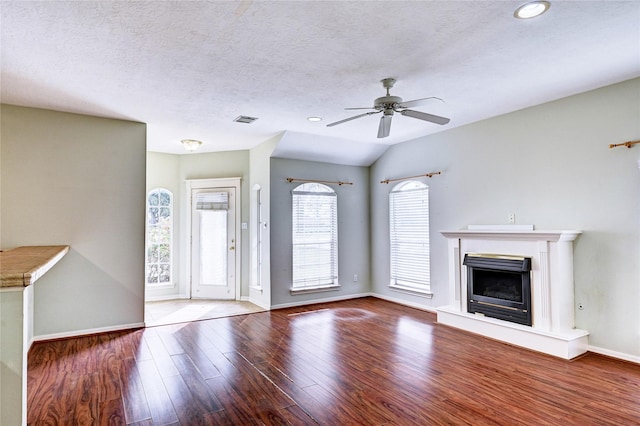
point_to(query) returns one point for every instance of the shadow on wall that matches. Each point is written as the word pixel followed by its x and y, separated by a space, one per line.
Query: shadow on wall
pixel 100 300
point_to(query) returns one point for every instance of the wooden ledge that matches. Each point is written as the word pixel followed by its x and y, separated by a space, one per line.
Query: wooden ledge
pixel 22 266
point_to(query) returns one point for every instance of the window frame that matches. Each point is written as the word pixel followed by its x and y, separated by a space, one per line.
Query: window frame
pixel 329 281
pixel 399 237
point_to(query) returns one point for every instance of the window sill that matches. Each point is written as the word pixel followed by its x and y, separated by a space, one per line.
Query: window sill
pixel 319 289
pixel 411 290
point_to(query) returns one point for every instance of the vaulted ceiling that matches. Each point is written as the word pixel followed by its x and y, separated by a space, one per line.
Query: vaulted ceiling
pixel 189 68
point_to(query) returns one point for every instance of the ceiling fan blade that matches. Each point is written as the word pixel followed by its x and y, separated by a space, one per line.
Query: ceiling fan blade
pixel 385 126
pixel 350 109
pixel 417 102
pixel 424 116
pixel 352 118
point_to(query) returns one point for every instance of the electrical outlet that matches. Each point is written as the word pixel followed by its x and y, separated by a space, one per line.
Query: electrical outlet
pixel 355 278
pixel 512 218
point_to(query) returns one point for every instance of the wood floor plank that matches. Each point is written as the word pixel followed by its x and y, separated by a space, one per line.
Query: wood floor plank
pixel 161 356
pixel 111 413
pixel 236 406
pixel 108 381
pixel 161 412
pixel 362 362
pixel 134 399
pixel 203 397
pixel 250 381
pixel 187 409
pixel 189 342
pixel 86 400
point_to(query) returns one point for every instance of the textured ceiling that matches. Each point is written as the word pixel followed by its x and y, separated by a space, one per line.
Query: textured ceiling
pixel 188 68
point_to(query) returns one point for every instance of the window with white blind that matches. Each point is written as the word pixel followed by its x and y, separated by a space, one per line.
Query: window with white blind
pixel 314 237
pixel 409 237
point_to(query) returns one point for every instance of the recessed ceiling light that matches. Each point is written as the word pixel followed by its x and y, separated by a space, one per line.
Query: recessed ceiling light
pixel 531 9
pixel 314 119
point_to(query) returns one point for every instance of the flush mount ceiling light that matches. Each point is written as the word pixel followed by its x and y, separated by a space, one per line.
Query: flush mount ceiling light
pixel 314 119
pixel 190 144
pixel 531 9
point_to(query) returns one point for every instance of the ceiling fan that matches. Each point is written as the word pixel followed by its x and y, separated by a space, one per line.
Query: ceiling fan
pixel 389 104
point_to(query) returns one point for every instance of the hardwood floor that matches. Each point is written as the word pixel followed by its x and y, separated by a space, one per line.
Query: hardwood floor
pixel 357 362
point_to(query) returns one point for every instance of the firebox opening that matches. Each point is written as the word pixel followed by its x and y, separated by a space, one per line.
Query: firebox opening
pixel 499 286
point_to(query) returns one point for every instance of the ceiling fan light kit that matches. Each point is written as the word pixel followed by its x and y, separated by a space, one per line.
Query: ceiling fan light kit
pixel 389 105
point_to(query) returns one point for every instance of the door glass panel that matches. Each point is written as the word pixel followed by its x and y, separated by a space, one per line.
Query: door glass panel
pixel 213 247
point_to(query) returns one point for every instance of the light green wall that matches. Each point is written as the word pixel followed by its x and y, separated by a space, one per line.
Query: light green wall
pixel 353 228
pixel 77 180
pixel 551 166
pixel 171 171
pixel 163 171
pixel 220 165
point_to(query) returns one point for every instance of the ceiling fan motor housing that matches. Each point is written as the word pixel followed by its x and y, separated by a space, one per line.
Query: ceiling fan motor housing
pixel 387 102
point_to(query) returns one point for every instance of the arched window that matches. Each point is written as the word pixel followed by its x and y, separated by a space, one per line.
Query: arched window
pixel 159 236
pixel 409 236
pixel 314 237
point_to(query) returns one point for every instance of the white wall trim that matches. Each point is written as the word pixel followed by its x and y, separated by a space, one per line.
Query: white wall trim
pixel 614 354
pixel 89 331
pixel 261 303
pixel 405 303
pixel 166 297
pixel 324 300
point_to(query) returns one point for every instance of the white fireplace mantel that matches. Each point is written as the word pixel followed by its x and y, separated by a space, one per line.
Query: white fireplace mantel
pixel 552 289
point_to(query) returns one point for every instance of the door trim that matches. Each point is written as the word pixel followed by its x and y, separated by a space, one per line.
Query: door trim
pixel 212 183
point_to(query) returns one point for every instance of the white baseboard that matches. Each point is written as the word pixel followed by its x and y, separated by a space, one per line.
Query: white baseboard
pixel 614 354
pixel 86 332
pixel 166 297
pixel 323 300
pixel 405 303
pixel 260 303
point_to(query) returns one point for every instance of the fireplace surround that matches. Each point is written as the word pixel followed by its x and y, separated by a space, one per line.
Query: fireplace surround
pixel 552 328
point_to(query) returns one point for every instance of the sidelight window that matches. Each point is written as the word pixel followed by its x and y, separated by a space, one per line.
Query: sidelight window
pixel 159 236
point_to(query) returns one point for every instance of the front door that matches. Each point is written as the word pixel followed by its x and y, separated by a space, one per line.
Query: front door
pixel 213 243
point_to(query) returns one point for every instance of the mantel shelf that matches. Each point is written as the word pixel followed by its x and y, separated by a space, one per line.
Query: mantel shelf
pixel 566 235
pixel 22 266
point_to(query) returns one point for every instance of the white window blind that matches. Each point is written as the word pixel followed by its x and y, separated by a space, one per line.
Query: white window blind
pixel 409 235
pixel 314 236
pixel 212 201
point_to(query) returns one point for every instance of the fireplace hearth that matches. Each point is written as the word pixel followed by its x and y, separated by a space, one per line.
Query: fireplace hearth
pixel 499 286
pixel 547 263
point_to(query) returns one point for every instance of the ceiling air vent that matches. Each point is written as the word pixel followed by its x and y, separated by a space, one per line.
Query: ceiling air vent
pixel 245 119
